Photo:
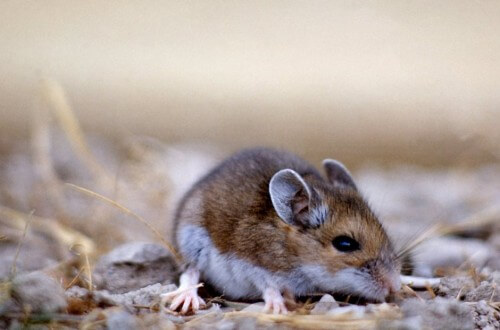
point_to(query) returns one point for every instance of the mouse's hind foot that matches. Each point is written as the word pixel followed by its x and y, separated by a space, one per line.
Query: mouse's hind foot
pixel 186 296
pixel 187 300
pixel 274 302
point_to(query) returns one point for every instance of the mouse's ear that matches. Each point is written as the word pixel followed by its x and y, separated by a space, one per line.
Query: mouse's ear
pixel 290 195
pixel 338 174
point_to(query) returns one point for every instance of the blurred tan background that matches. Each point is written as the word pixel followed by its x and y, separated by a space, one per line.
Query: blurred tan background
pixel 411 81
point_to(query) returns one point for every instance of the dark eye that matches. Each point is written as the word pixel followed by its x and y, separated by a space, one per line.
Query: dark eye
pixel 345 244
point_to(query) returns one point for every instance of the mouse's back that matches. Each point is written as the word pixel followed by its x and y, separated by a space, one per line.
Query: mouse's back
pixel 237 189
pixel 240 184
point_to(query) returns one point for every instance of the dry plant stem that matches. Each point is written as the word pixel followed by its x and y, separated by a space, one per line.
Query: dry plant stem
pixel 485 217
pixel 65 235
pixel 482 218
pixel 311 321
pixel 122 208
pixel 18 249
pixel 431 291
pixel 46 317
pixel 73 281
pixel 93 325
pixel 419 282
pixel 54 95
pixel 89 271
pixel 41 146
pixel 494 286
pixel 410 290
pixel 475 276
pixel 56 101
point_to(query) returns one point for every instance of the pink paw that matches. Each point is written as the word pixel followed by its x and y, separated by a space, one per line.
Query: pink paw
pixel 274 302
pixel 187 298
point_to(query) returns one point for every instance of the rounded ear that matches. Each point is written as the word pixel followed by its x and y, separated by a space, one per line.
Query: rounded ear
pixel 290 195
pixel 337 174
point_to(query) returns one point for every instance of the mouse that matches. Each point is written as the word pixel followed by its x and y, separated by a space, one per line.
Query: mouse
pixel 264 224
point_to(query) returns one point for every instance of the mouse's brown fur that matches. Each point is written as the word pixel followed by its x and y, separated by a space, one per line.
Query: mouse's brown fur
pixel 233 204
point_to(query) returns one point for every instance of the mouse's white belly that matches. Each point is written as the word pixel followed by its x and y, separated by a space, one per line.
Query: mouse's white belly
pixel 232 276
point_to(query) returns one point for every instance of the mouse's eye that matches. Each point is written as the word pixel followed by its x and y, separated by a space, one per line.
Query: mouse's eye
pixel 345 244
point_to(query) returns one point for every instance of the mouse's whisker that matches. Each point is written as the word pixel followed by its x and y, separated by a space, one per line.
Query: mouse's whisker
pixel 432 232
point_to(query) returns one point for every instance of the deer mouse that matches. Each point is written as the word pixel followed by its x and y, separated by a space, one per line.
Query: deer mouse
pixel 265 223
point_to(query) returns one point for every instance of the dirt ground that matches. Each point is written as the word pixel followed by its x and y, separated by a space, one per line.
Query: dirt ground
pixel 99 258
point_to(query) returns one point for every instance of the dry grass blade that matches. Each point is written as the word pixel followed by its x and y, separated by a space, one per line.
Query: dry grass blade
pixel 41 146
pixel 65 235
pixel 311 321
pixel 430 291
pixel 494 287
pixel 89 271
pixel 483 218
pixel 5 291
pixel 407 289
pixel 18 249
pixel 54 95
pixel 73 281
pixel 122 208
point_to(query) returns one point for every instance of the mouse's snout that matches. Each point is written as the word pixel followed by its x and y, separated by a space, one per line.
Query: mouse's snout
pixel 385 275
pixel 392 282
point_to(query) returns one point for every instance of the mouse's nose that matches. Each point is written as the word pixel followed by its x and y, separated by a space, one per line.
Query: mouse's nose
pixel 385 275
pixel 392 282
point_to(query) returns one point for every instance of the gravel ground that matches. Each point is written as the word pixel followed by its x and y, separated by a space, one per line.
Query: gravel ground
pixel 68 259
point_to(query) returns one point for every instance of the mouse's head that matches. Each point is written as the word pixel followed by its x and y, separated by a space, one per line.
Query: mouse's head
pixel 339 242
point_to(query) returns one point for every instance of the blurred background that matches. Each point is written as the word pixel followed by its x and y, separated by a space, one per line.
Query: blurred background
pixel 386 81
pixel 135 100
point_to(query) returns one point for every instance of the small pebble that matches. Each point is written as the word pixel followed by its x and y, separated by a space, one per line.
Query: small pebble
pixel 325 304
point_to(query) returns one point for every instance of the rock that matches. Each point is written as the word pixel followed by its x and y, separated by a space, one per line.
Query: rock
pixel 450 287
pixel 485 316
pixel 77 292
pixel 157 321
pixel 37 293
pixel 439 313
pixel 142 297
pixel 486 290
pixel 409 323
pixel 133 266
pixel 326 303
pixel 353 311
pixel 120 319
pixel 36 252
pixel 132 301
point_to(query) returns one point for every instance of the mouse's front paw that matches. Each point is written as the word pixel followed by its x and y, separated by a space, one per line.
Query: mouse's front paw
pixel 274 302
pixel 187 298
